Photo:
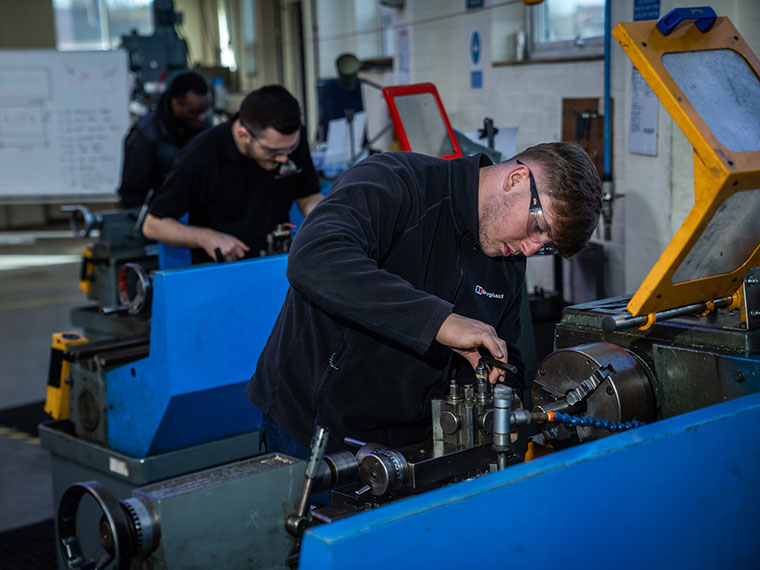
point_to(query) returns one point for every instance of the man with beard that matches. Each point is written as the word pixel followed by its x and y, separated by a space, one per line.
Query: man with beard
pixel 409 268
pixel 237 181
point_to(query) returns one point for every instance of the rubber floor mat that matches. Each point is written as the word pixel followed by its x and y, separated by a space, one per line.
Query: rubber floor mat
pixel 30 547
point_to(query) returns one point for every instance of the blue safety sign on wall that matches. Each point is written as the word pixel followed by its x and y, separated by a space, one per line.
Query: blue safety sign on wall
pixel 476 55
pixel 475 47
pixel 646 10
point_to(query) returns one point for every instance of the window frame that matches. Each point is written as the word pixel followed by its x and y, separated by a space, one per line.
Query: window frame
pixel 107 40
pixel 578 48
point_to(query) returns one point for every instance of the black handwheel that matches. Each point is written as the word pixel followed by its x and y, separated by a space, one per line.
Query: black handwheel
pixel 114 531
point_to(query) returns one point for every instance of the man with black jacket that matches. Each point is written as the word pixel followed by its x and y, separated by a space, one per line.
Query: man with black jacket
pixel 156 139
pixel 237 181
pixel 409 267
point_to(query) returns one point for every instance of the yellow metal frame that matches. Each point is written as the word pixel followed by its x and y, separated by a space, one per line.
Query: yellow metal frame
pixel 718 171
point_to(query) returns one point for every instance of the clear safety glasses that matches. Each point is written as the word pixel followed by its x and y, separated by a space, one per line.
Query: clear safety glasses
pixel 538 229
pixel 272 152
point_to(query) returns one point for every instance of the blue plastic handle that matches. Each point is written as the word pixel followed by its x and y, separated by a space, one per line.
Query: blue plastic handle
pixel 705 18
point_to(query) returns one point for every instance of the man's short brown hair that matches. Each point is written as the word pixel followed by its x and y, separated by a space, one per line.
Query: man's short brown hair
pixel 570 178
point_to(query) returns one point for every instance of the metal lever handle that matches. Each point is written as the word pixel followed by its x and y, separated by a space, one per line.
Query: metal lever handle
pixel 296 523
pixel 626 321
pixel 90 221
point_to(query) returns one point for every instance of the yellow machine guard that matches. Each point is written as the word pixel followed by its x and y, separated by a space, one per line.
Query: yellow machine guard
pixel 720 239
pixel 57 400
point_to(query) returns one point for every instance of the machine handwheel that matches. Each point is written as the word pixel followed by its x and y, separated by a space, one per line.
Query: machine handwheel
pixel 114 531
pixel 135 296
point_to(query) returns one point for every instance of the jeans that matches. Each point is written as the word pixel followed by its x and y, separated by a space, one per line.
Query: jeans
pixel 277 441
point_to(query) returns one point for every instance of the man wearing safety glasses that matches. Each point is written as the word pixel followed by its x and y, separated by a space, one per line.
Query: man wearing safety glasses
pixel 409 270
pixel 156 139
pixel 237 181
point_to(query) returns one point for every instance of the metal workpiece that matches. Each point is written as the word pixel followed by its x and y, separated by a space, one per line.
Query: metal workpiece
pixel 600 380
pixel 524 417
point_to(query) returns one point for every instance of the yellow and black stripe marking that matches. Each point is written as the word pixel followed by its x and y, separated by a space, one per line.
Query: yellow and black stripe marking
pixel 19 435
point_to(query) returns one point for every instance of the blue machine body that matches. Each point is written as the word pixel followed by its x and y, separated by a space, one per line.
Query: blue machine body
pixel 680 493
pixel 209 324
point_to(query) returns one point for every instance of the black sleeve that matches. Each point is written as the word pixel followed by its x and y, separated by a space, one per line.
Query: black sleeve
pixel 336 257
pixel 136 174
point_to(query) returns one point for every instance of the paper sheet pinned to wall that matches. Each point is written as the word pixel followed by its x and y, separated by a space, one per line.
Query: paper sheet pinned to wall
pixel 338 153
pixel 642 135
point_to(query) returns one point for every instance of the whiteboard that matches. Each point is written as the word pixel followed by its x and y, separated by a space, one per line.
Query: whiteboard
pixel 63 119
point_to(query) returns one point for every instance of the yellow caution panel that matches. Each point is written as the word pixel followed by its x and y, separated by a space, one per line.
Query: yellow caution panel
pixel 87 271
pixel 57 401
pixel 709 83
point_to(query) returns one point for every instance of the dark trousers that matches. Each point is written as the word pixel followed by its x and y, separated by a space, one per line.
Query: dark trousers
pixel 277 441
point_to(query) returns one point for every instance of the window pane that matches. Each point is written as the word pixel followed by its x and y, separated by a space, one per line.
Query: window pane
pixel 77 24
pixel 80 24
pixel 567 19
pixel 127 15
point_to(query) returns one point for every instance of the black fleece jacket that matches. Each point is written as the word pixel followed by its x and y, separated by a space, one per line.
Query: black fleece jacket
pixel 374 271
pixel 150 149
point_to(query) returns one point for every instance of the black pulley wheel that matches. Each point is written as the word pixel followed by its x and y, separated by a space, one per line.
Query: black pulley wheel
pixel 114 531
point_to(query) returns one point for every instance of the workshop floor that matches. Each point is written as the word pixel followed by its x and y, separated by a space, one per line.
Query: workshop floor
pixel 38 287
